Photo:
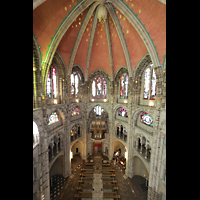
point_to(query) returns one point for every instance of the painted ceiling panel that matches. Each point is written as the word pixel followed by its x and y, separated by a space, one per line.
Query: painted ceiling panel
pixel 153 14
pixel 136 47
pixel 81 55
pixel 117 50
pixel 48 17
pixel 100 55
pixel 67 43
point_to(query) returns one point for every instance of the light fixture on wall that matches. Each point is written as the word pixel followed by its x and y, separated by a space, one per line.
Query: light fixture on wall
pixel 55 101
pixel 151 104
pixel 71 154
pixel 105 100
pixel 92 100
pixel 125 101
pixel 77 100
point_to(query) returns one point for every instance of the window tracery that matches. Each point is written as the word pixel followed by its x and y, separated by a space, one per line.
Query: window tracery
pixel 99 88
pixel 51 84
pixel 75 80
pixel 124 86
pixel 149 89
pixel 122 112
pixel 75 111
pixel 146 119
pixel 53 118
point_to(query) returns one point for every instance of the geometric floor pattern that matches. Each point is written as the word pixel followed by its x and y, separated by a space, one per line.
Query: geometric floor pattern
pixel 56 185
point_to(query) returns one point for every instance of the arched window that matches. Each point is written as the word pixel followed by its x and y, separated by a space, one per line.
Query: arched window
pixel 146 119
pixel 75 79
pixel 122 112
pixel 75 111
pixel 51 85
pixel 99 88
pixel 149 83
pixel 53 118
pixel 124 86
pixel 98 110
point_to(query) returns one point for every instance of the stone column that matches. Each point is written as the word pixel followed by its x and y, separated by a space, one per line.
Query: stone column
pixel 66 145
pixel 51 145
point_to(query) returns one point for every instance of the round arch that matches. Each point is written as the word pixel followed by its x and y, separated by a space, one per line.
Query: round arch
pixel 140 168
pixel 138 112
pixel 57 166
pixel 60 113
pixel 77 144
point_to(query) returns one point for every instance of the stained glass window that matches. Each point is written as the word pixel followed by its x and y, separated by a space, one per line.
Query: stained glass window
pixel 48 85
pixel 146 119
pixel 150 83
pixel 75 111
pixel 51 85
pixel 146 83
pixel 98 110
pixel 99 88
pixel 54 82
pixel 53 118
pixel 74 78
pixel 104 89
pixel 93 89
pixel 122 112
pixel 124 86
pixel 153 85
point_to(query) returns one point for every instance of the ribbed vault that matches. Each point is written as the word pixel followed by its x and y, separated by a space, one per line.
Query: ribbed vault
pixel 117 35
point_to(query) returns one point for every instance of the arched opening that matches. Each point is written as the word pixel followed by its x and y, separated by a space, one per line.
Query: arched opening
pixel 119 154
pixel 98 123
pixel 76 154
pixel 140 177
pixel 57 179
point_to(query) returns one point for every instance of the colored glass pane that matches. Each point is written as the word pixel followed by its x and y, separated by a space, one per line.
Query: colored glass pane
pixel 104 89
pixel 75 111
pixel 153 85
pixel 98 110
pixel 122 87
pixel 93 89
pixel 53 118
pixel 146 83
pixel 146 119
pixel 99 88
pixel 122 112
pixel 54 82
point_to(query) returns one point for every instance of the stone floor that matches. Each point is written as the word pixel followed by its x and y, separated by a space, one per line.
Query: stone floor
pixel 129 189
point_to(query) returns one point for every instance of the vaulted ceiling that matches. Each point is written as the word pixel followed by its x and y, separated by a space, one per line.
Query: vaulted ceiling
pixel 132 29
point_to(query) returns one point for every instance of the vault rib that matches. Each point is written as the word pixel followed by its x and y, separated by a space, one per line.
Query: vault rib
pixel 121 36
pixel 80 35
pixel 109 48
pixel 91 43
